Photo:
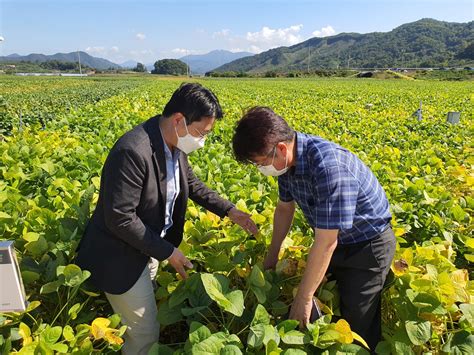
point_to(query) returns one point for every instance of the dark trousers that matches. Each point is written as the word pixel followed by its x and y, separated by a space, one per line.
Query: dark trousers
pixel 360 270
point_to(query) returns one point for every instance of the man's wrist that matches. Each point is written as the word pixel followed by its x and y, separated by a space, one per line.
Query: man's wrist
pixel 227 211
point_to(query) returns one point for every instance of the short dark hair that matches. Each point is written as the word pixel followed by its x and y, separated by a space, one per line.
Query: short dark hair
pixel 194 101
pixel 257 132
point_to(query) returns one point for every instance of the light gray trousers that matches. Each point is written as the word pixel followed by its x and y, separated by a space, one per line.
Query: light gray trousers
pixel 138 310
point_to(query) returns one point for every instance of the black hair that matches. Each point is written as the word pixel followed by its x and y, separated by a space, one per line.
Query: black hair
pixel 194 102
pixel 257 132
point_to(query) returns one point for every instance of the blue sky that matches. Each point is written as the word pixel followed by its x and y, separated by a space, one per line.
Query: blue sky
pixel 147 30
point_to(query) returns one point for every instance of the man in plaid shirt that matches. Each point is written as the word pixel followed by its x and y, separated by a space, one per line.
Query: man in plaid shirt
pixel 344 203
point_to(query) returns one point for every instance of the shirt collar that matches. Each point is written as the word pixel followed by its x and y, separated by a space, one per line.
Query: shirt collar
pixel 168 154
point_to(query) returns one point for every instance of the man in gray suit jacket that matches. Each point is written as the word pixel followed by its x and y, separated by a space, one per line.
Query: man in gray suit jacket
pixel 145 184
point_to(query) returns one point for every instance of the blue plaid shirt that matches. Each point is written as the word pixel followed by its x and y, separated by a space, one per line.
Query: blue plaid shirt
pixel 335 190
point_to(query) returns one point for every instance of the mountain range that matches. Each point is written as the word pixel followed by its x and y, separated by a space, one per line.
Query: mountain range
pixel 202 63
pixel 424 43
pixel 85 58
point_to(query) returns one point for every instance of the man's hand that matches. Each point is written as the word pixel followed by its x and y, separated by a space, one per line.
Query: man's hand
pixel 243 220
pixel 301 310
pixel 179 262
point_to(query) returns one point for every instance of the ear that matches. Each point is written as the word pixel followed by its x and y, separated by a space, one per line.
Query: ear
pixel 282 148
pixel 177 118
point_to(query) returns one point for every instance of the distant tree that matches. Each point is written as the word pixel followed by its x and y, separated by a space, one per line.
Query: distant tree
pixel 467 53
pixel 170 67
pixel 140 68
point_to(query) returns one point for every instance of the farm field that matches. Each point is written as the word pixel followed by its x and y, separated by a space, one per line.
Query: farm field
pixel 55 134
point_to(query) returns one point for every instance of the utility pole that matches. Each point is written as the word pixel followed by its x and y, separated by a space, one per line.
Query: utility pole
pixel 79 57
pixel 309 56
pixel 187 65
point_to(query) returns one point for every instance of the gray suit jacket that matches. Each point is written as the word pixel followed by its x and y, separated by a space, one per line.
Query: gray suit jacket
pixel 124 230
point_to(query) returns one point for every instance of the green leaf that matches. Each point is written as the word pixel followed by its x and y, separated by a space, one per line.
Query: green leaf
pixel 29 276
pixel 212 345
pixel 178 296
pixel 259 293
pixel 295 337
pixel 231 350
pixel 256 335
pixel 31 236
pixel 51 334
pixel 190 311
pixel 460 343
pixel 167 315
pixel 50 287
pixel 60 348
pixel 418 331
pixel 402 348
pixel 287 325
pixel 74 276
pixel 232 302
pixel 114 320
pixel 383 348
pixel 4 215
pixel 328 337
pixel 458 213
pixel 198 333
pixel 159 349
pixel 279 308
pixel 74 310
pixel 467 314
pixel 347 349
pixel 68 333
pixel 38 247
pixel 294 352
pixel 256 277
pixel 261 316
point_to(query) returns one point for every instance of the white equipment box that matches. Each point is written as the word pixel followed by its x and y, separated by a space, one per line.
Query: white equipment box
pixel 12 292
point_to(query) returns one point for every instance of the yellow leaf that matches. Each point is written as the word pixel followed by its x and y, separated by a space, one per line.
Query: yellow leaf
pixel 461 277
pixel 399 267
pixel 25 333
pixel 399 232
pixel 345 331
pixel 470 243
pixel 193 211
pixel 360 339
pixel 99 327
pixel 325 309
pixel 112 338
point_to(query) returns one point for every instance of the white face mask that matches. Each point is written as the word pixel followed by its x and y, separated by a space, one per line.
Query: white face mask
pixel 270 170
pixel 189 143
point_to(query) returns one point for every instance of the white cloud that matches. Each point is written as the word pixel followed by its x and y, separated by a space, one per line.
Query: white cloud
pixel 254 49
pixel 325 32
pixel 259 41
pixel 268 37
pixel 222 33
pixel 140 36
pixel 184 51
pixel 103 51
pixel 1 39
pixel 140 54
pixel 96 50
